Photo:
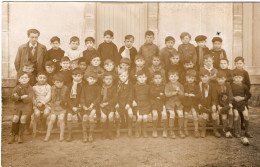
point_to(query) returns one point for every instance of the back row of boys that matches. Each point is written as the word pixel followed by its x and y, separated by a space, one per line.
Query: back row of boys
pixel 181 70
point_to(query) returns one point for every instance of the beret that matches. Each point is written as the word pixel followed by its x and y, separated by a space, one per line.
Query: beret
pixel 217 39
pixel 200 38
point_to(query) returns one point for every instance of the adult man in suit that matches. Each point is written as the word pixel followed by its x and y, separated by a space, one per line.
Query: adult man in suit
pixel 31 51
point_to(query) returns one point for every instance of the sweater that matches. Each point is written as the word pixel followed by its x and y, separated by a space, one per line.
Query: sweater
pixel 55 56
pixel 142 98
pixel 133 53
pixel 148 50
pixel 90 95
pixel 88 55
pixel 108 51
pixel 165 54
pixel 187 52
pixel 217 55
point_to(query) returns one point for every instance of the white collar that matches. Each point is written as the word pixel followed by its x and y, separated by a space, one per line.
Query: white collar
pixel 209 69
pixel 31 45
pixel 128 48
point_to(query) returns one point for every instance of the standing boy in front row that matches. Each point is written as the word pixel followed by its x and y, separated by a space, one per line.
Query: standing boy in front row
pixel 22 95
pixel 174 92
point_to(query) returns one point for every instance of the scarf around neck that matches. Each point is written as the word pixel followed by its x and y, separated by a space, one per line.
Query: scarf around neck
pixel 73 93
pixel 104 91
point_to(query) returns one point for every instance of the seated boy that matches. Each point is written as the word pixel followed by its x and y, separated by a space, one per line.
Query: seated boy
pixel 217 52
pixel 124 66
pixel 90 51
pixel 128 50
pixel 55 53
pixel 41 101
pixel 49 68
pixel 148 49
pixel 107 49
pixel 22 96
pixel 168 51
pixel 201 50
pixel 73 52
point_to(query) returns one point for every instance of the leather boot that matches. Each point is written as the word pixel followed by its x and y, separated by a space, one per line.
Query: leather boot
pixel 155 128
pixel 69 125
pixel 180 122
pixel 137 129
pixel 91 129
pixel 215 131
pixel 144 130
pixel 20 134
pixel 84 132
pixel 14 131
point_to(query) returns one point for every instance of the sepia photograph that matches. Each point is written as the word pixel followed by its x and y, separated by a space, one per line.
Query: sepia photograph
pixel 130 84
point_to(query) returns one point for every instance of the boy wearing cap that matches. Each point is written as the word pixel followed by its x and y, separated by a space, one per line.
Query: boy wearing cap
pixel 149 49
pixel 90 51
pixel 139 66
pixel 55 53
pixel 201 50
pixel 223 97
pixel 186 49
pixel 168 51
pixel 217 52
pixel 58 106
pixel 128 51
pixel 89 100
pixel 73 99
pixel 241 95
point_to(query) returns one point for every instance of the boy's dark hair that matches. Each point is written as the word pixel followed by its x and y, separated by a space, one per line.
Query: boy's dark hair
pixel 156 57
pixel 107 61
pixel 216 39
pixel 204 72
pixel 175 54
pixel 108 73
pixel 185 34
pixel 42 73
pixel 149 33
pixel 82 60
pixel 33 31
pixel 55 38
pixel 238 72
pixel 138 56
pixel 94 56
pixel 185 61
pixel 140 73
pixel 221 74
pixel 207 56
pixel 65 58
pixel 28 63
pixel 200 38
pixel 225 60
pixel 109 32
pixel 74 39
pixel 89 39
pixel 49 63
pixel 129 37
pixel 239 58
pixel 157 73
pixel 125 61
pixel 191 73
pixel 172 72
pixel 77 71
pixel 169 38
pixel 58 77
pixel 90 74
pixel 21 73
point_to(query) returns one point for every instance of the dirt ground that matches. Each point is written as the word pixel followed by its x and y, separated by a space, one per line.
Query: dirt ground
pixel 127 151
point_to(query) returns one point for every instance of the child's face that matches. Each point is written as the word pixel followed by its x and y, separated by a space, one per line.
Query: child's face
pixel 91 80
pixel 109 66
pixel 41 79
pixel 208 62
pixel 74 64
pixel 24 79
pixel 188 65
pixel 223 64
pixel 201 43
pixel 205 78
pixel 217 45
pixel 173 78
pixel 239 64
pixel 175 59
pixel 157 79
pixel 95 61
pixel 139 62
pixel 74 45
pixel 124 66
pixel 238 79
pixel 190 79
pixel 49 69
pixel 77 77
pixel 123 77
pixel 221 81
pixel 89 44
pixel 108 38
pixel 141 78
pixel 28 69
pixel 83 66
pixel 129 42
pixel 58 84
pixel 156 61
pixel 65 65
pixel 185 40
pixel 55 45
pixel 149 38
pixel 169 44
pixel 108 79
